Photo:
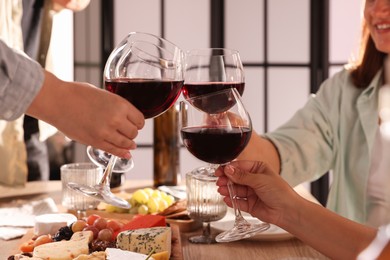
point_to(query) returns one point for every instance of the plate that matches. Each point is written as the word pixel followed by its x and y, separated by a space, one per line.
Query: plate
pixel 274 233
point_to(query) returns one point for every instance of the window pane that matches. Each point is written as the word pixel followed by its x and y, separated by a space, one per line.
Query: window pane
pixel 253 96
pixel 287 92
pixel 344 30
pixel 136 16
pixel 245 29
pixel 289 31
pixel 188 23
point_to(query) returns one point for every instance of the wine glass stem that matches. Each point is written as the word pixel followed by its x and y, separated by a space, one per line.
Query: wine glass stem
pixel 108 171
pixel 207 230
pixel 232 194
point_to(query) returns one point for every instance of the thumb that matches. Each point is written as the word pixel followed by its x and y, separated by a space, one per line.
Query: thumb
pixel 237 175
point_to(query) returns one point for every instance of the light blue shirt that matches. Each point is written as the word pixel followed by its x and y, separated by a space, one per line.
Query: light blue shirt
pixel 20 81
pixel 334 131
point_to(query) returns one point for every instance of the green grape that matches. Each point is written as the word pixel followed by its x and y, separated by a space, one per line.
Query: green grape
pixel 133 202
pixel 133 210
pixel 153 205
pixel 140 196
pixel 149 191
pixel 169 199
pixel 162 205
pixel 156 194
pixel 143 210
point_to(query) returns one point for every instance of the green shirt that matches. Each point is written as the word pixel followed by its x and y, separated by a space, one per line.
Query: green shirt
pixel 334 131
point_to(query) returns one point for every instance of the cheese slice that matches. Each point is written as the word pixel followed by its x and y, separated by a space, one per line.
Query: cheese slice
pixel 145 240
pixel 65 250
pixel 51 223
pixel 117 254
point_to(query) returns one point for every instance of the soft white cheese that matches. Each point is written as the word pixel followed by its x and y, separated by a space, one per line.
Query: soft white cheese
pixel 145 240
pixel 51 223
pixel 118 254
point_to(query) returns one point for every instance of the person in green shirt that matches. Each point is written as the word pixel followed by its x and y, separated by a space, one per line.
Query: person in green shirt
pixel 337 131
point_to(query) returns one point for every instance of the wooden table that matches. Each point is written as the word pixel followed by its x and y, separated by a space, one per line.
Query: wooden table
pixel 246 249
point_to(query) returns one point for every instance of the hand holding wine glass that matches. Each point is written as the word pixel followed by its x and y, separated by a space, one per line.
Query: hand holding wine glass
pixel 147 71
pixel 215 128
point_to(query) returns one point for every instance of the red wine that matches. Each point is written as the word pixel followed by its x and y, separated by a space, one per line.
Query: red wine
pixel 215 145
pixel 208 97
pixel 193 90
pixel 151 97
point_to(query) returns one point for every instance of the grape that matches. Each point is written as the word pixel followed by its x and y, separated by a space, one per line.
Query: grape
pixel 162 205
pixel 169 199
pixel 143 209
pixel 91 219
pixel 149 191
pixel 111 208
pixel 153 205
pixel 78 225
pixel 133 210
pixel 156 194
pixel 94 230
pixel 113 225
pixel 42 240
pixel 140 196
pixel 105 234
pixel 100 223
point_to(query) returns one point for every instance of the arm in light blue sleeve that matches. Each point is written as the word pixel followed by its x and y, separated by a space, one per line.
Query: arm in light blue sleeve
pixel 20 81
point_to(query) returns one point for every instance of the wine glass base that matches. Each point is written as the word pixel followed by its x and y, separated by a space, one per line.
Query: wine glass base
pixel 242 231
pixel 102 158
pixel 100 192
pixel 201 239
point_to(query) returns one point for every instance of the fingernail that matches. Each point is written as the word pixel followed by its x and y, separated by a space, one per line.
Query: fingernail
pixel 229 170
pixel 127 155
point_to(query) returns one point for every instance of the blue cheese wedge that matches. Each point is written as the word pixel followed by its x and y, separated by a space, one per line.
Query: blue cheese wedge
pixel 145 240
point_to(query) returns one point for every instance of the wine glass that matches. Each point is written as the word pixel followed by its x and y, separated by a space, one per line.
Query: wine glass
pixel 204 203
pixel 215 128
pixel 212 69
pixel 147 71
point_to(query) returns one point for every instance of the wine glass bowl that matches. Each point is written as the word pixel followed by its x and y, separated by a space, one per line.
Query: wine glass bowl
pixel 212 69
pixel 204 203
pixel 147 71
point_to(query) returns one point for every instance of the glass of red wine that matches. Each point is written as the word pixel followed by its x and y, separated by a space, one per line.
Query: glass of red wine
pixel 147 71
pixel 216 130
pixel 211 69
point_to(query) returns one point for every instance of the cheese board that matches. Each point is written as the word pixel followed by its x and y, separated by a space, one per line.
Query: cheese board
pixel 176 245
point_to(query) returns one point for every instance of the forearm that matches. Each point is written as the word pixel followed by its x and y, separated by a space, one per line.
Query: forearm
pixel 261 149
pixel 329 233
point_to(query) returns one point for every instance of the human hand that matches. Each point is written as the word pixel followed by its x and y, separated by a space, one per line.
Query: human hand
pixel 88 115
pixel 73 5
pixel 267 196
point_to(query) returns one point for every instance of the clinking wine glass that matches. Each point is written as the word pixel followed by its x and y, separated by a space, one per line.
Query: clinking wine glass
pixel 147 71
pixel 212 69
pixel 215 128
pixel 204 203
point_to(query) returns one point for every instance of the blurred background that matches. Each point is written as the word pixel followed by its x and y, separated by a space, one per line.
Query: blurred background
pixel 287 47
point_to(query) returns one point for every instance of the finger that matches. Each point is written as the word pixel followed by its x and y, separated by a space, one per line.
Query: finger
pixel 136 117
pixel 128 130
pixel 109 148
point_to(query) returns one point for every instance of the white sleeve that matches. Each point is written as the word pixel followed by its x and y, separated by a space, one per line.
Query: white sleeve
pixel 374 249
